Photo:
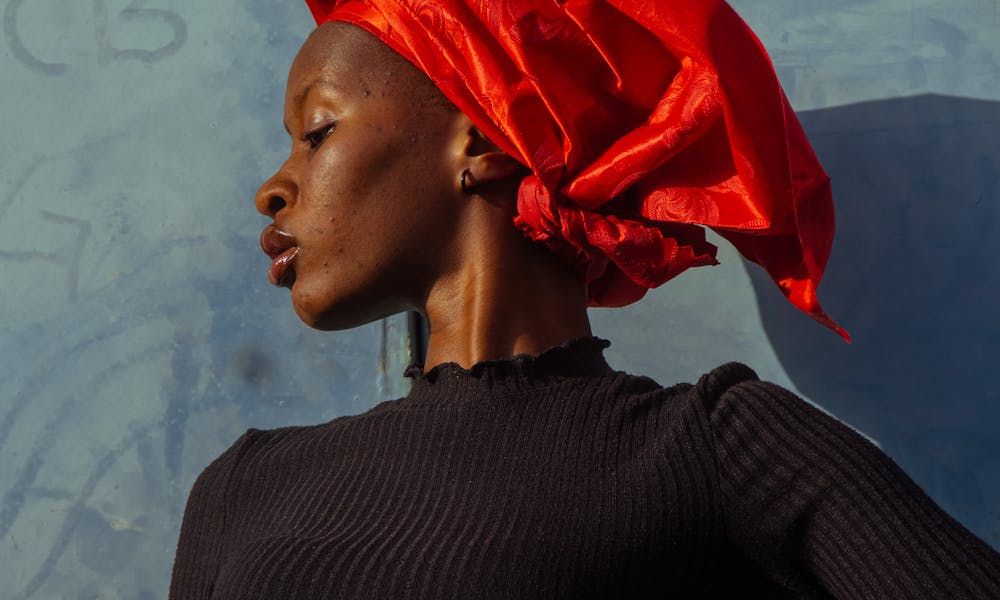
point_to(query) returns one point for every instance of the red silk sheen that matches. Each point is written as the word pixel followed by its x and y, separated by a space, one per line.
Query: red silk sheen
pixel 642 122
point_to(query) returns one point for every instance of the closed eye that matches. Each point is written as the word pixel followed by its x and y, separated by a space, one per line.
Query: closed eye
pixel 315 137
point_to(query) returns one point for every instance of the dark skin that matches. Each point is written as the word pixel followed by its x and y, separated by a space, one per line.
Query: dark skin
pixel 371 200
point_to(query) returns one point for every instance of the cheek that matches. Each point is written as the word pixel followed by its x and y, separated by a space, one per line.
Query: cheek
pixel 370 206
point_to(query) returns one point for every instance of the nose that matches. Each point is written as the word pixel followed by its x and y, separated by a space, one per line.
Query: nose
pixel 275 194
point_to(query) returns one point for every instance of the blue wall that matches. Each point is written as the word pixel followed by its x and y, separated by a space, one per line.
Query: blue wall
pixel 139 336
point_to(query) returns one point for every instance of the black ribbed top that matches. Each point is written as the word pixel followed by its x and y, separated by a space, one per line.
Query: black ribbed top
pixel 554 476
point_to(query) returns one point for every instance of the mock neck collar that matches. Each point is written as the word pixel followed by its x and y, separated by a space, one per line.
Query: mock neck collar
pixel 450 383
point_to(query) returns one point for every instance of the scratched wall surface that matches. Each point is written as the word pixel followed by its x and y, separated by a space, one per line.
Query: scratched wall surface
pixel 139 337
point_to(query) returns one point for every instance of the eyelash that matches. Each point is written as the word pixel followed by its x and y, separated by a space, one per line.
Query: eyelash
pixel 316 137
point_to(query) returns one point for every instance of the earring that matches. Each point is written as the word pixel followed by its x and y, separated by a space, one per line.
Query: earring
pixel 466 176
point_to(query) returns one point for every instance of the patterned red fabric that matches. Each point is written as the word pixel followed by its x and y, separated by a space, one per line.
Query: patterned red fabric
pixel 642 121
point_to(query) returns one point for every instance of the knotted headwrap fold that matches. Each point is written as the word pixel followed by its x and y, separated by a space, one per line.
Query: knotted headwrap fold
pixel 642 121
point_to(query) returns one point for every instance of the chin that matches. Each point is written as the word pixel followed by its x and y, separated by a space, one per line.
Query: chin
pixel 336 315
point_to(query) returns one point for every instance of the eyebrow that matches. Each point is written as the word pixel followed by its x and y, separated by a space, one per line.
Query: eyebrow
pixel 301 96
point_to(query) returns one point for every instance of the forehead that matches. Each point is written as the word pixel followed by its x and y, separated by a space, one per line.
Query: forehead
pixel 349 57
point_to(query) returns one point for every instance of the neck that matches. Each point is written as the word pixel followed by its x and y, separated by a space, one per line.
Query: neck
pixel 506 296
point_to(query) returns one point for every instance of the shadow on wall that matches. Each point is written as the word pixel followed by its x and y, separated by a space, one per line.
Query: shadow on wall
pixel 914 278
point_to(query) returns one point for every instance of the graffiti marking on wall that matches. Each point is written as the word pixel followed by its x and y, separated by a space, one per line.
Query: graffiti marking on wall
pixel 71 258
pixel 106 50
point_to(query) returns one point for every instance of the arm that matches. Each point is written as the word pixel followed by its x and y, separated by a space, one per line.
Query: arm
pixel 815 504
pixel 199 547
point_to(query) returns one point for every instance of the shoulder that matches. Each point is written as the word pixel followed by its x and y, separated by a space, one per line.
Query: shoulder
pixel 248 448
pixel 758 426
pixel 737 383
pixel 254 440
pixel 750 420
pixel 215 477
pixel 733 391
pixel 712 385
pixel 283 451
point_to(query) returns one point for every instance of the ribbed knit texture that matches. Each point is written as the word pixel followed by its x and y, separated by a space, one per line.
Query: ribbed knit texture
pixel 558 477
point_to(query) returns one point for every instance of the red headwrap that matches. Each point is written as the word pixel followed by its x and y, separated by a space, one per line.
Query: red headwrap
pixel 641 122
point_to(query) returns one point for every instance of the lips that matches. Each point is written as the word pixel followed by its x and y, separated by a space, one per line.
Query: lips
pixel 282 248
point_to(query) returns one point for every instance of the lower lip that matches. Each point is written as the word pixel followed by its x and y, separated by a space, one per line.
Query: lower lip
pixel 281 266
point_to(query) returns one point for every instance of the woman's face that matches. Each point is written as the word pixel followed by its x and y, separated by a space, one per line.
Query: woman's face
pixel 364 205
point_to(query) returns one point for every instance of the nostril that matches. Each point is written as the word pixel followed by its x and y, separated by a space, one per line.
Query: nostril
pixel 275 204
pixel 276 194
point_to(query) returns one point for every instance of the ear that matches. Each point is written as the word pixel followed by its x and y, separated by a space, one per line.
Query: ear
pixel 487 163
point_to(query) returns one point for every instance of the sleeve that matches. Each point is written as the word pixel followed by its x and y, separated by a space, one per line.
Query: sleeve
pixel 821 510
pixel 199 547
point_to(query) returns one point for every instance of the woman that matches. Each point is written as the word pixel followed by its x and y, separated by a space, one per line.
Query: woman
pixel 521 465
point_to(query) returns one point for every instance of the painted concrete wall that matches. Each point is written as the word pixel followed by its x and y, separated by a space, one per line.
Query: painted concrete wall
pixel 139 337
